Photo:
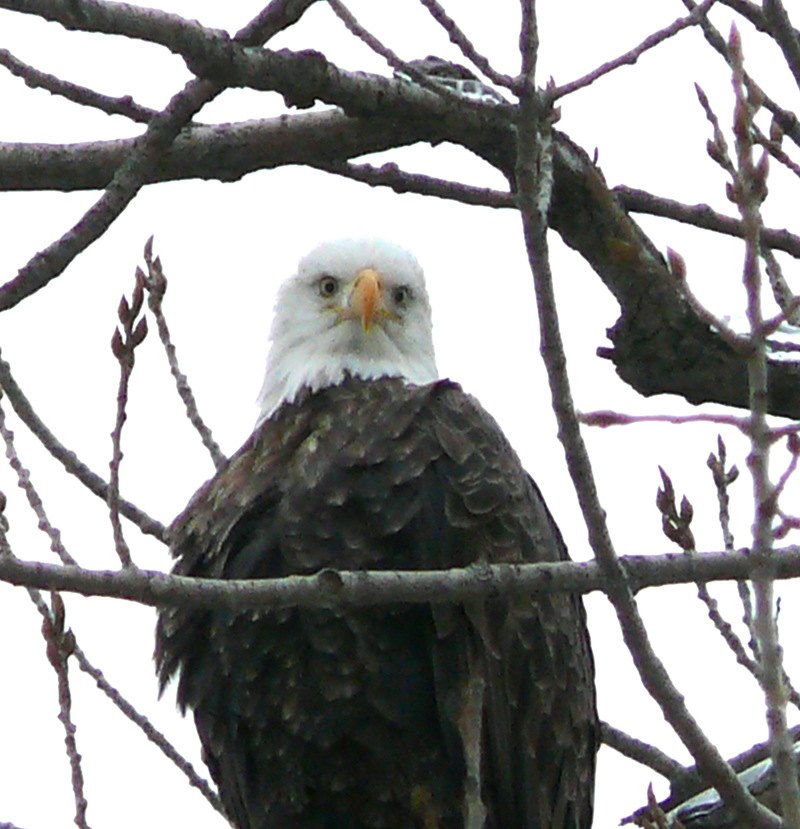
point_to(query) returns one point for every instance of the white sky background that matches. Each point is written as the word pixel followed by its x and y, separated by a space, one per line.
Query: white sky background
pixel 226 248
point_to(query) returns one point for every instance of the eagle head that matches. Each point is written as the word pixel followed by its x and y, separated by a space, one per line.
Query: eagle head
pixel 355 306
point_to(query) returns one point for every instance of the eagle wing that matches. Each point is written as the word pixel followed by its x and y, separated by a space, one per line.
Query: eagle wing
pixel 479 714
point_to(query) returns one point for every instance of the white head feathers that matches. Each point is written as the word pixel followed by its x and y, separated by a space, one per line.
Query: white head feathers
pixel 355 306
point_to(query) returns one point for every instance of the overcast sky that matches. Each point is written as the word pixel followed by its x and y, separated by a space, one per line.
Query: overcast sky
pixel 226 248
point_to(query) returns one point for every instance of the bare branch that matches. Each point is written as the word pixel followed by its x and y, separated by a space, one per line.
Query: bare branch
pixel 606 418
pixel 152 733
pixel 632 56
pixel 702 216
pixel 784 34
pixel 397 63
pixel 534 190
pixel 788 120
pixel 60 644
pixel 123 345
pixel 128 180
pixel 773 147
pixel 139 165
pixel 390 175
pixel 153 25
pixel 644 753
pixel 177 34
pixel 329 587
pixel 34 499
pixel 748 190
pixel 156 284
pixel 740 344
pixel 785 299
pixel 276 16
pixel 224 152
pixel 91 480
pixel 466 46
pixel 124 106
pixel 723 478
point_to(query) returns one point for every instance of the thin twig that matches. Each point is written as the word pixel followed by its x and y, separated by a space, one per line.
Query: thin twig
pixel 740 344
pixel 676 528
pixel 124 706
pixel 717 147
pixel 748 190
pixel 5 547
pixel 786 300
pixel 644 753
pixel 34 499
pixel 156 284
pixel 774 148
pixel 784 34
pixel 390 175
pixel 630 57
pixel 605 418
pixel 34 78
pixel 60 644
pixel 794 453
pixel 397 63
pixel 787 120
pixel 466 46
pixel 723 478
pixel 702 216
pixel 123 345
pixel 152 733
pixel 91 480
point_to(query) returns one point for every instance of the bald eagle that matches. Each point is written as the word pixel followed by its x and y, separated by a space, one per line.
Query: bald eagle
pixel 469 715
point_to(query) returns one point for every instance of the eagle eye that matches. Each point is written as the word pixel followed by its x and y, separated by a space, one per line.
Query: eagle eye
pixel 401 295
pixel 327 286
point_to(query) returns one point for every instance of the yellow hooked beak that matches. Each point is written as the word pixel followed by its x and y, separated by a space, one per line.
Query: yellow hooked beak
pixel 367 298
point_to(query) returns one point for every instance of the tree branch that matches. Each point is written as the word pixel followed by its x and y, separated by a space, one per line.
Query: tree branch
pixel 534 182
pixel 632 56
pixel 91 480
pixel 784 34
pixel 330 587
pixel 644 753
pixel 702 216
pixel 660 344
pixel 787 120
pixel 390 175
pixel 124 106
pixel 143 158
pixel 172 31
pixel 466 46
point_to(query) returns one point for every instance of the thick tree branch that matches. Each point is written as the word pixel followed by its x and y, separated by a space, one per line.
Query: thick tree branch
pixel 329 587
pixel 661 345
pixel 134 172
pixel 224 153
pixel 172 31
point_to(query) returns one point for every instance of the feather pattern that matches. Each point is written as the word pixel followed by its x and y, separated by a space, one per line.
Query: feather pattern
pixel 439 717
